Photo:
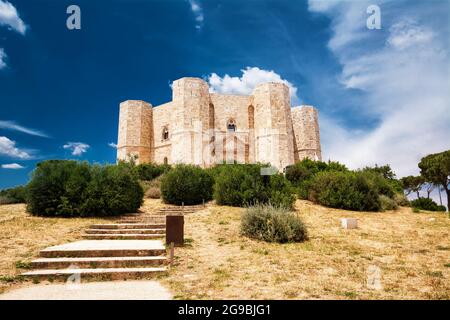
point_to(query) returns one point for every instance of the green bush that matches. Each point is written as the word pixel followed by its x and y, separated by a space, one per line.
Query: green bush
pixel 243 185
pixel 188 184
pixel 345 190
pixel 387 203
pixel 113 190
pixel 272 224
pixel 427 204
pixel 401 200
pixel 150 171
pixel 302 173
pixel 71 188
pixel 13 195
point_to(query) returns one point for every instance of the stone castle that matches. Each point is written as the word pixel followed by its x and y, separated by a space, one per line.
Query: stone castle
pixel 203 128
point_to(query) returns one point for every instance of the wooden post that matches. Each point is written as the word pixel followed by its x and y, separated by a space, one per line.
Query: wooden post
pixel 203 203
pixel 171 253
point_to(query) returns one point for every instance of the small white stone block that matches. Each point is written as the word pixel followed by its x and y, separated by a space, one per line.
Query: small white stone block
pixel 349 223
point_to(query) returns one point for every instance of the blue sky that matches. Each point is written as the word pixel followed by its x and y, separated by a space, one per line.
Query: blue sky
pixel 382 94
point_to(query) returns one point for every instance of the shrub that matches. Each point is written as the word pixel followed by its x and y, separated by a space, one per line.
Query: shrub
pixel 113 190
pixel 242 185
pixel 272 224
pixel 71 188
pixel 13 195
pixel 401 200
pixel 345 190
pixel 188 184
pixel 150 171
pixel 387 203
pixel 152 189
pixel 427 204
pixel 301 174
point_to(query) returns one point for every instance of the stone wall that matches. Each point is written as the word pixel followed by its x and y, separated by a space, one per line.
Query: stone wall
pixel 306 133
pixel 135 136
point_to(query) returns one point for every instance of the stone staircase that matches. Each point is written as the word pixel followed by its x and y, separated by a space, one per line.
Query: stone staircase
pixel 113 259
pixel 130 248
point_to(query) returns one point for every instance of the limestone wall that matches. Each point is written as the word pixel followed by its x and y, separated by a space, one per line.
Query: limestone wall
pixel 306 133
pixel 162 119
pixel 135 131
pixel 273 125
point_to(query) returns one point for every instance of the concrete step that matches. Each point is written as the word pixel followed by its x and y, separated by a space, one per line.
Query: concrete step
pixel 128 226
pixel 106 248
pixel 123 236
pixel 110 273
pixel 143 221
pixel 97 262
pixel 126 231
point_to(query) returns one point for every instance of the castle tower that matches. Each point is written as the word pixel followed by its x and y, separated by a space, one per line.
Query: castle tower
pixel 273 125
pixel 135 131
pixel 306 133
pixel 191 121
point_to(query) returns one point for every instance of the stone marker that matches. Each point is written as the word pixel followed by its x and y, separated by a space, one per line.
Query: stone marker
pixel 349 223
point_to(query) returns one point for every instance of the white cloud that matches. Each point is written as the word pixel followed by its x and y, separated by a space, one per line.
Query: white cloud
pixel 77 148
pixel 197 10
pixel 13 166
pixel 112 145
pixel 403 73
pixel 10 17
pixel 2 58
pixel 11 125
pixel 405 34
pixel 245 84
pixel 8 148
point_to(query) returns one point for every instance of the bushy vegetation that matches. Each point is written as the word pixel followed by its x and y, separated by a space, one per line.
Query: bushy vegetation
pixel 150 171
pixel 243 185
pixel 186 184
pixel 272 224
pixel 387 203
pixel 427 204
pixel 13 195
pixel 152 189
pixel 71 188
pixel 345 190
pixel 303 172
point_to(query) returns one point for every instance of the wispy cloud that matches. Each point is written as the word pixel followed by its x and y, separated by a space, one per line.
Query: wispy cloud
pixel 112 145
pixel 13 166
pixel 197 10
pixel 8 148
pixel 2 58
pixel 10 17
pixel 245 84
pixel 402 72
pixel 77 148
pixel 11 125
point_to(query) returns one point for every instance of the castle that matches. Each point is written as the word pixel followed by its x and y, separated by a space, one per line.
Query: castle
pixel 203 128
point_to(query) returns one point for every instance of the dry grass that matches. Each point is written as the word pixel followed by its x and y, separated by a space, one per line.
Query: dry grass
pixel 411 250
pixel 22 236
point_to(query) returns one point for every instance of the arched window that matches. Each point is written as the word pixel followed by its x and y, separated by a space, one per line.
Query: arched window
pixel 231 126
pixel 251 117
pixel 211 116
pixel 165 134
pixel 165 160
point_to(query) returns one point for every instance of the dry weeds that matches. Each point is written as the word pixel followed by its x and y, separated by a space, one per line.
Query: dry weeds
pixel 411 251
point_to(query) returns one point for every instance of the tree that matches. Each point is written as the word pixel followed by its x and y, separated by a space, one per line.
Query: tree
pixel 412 184
pixel 435 168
